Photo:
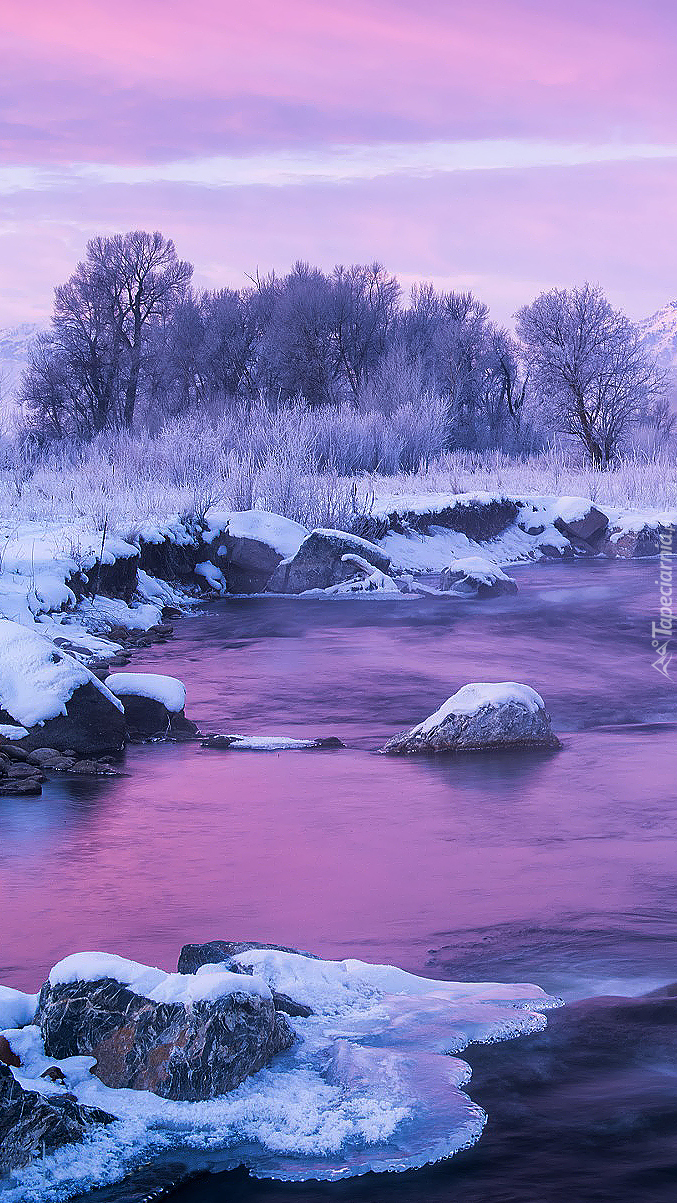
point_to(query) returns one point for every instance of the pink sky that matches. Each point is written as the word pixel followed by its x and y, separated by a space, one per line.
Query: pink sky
pixel 507 146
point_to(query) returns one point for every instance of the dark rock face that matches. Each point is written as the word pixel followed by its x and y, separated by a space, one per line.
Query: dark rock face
pixel 319 562
pixel 146 718
pixel 30 1122
pixel 478 520
pixel 247 564
pixel 492 728
pixel 178 1052
pixel 92 726
pixel 171 561
pixel 585 533
pixel 118 579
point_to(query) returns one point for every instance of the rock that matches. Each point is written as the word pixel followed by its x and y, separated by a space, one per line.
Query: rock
pixel 585 532
pixel 640 544
pixel 475 576
pixel 50 758
pixel 24 772
pixel 216 952
pixel 319 562
pixel 54 1073
pixel 154 705
pixel 251 546
pixel 7 1056
pixel 222 952
pixel 178 1051
pixel 25 786
pixel 93 768
pixel 91 726
pixel 481 717
pixel 32 1125
pixel 268 743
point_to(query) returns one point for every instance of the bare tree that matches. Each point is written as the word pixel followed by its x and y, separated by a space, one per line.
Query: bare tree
pixel 589 368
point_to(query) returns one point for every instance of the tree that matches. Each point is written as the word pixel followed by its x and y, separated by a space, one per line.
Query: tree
pixel 124 290
pixel 589 368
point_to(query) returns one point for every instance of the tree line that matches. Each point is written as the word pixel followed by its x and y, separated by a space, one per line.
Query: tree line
pixel 133 343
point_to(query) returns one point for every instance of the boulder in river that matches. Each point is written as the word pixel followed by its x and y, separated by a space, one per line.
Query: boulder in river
pixel 584 525
pixel 269 743
pixel 475 576
pixel 54 697
pixel 188 1037
pixel 224 952
pixel 32 1124
pixel 251 545
pixel 154 705
pixel 323 559
pixel 495 716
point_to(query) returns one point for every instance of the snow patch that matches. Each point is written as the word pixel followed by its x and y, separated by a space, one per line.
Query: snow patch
pixel 155 984
pixel 16 1008
pixel 168 690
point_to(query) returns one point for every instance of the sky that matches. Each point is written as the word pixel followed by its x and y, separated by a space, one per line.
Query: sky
pixel 506 146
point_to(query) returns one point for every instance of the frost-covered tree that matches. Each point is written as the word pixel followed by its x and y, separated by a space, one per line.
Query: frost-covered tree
pixel 588 367
pixel 124 289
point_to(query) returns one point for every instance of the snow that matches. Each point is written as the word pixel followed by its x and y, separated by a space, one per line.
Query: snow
pixel 168 690
pixel 212 575
pixel 151 983
pixel 269 743
pixel 281 534
pixel 480 569
pixel 474 697
pixel 38 679
pixel 16 1008
pixel 372 1083
pixel 11 732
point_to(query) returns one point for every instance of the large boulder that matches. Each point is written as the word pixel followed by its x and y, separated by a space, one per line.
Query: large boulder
pixel 32 1125
pixel 225 952
pixel 59 702
pixel 324 559
pixel 649 540
pixel 180 1036
pixel 476 576
pixel 252 544
pixel 154 705
pixel 582 523
pixel 481 717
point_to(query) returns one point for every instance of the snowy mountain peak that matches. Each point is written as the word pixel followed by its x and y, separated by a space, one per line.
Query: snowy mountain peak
pixel 659 334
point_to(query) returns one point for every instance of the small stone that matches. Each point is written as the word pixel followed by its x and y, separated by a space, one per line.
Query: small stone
pixel 54 1073
pixel 7 1054
pixel 93 768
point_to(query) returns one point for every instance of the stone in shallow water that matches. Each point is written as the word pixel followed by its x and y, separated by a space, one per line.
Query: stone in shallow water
pixel 179 1052
pixel 31 1124
pixel 320 562
pixel 492 716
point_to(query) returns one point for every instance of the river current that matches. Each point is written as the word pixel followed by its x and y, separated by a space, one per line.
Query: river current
pixel 556 869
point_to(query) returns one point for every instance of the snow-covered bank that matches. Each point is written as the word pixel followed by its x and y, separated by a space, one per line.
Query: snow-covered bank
pixel 372 1082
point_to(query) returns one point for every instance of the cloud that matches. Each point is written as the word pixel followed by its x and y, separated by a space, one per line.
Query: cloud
pixel 337 164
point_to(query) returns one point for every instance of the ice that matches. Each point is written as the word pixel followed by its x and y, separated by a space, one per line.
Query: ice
pixel 212 575
pixel 11 732
pixel 368 1086
pixel 16 1008
pixel 471 698
pixel 168 690
pixel 480 568
pixel 37 679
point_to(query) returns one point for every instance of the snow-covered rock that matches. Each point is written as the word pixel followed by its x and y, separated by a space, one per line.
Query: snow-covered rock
pixel 326 558
pixel 481 717
pixel 249 545
pixel 180 1036
pixel 268 743
pixel 153 703
pixel 16 1008
pixel 475 576
pixel 54 696
pixel 33 1126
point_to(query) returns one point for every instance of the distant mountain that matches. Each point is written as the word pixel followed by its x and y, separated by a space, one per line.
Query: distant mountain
pixel 15 348
pixel 660 334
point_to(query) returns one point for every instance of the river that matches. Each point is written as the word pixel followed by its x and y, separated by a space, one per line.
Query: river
pixel 557 869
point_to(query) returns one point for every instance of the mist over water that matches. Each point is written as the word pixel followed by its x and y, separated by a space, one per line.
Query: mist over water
pixel 557 869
